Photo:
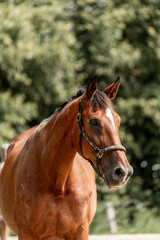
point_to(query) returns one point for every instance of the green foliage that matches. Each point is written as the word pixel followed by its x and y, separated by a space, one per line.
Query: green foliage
pixel 37 63
pixel 49 48
pixel 15 114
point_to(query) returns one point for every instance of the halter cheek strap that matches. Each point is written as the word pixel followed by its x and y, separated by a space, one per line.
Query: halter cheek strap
pixel 99 151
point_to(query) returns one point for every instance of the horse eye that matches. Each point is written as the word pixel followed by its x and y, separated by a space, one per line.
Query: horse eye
pixel 94 122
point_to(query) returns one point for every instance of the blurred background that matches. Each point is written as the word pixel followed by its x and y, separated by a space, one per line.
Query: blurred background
pixel 48 49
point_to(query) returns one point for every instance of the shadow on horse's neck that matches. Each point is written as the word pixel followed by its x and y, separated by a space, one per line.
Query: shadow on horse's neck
pixel 57 149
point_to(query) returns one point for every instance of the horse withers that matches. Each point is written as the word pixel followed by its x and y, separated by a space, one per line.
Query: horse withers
pixel 47 185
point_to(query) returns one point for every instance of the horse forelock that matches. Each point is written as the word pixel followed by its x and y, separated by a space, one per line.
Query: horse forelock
pixel 100 101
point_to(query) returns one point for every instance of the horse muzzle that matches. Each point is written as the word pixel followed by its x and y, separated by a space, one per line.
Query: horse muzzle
pixel 118 177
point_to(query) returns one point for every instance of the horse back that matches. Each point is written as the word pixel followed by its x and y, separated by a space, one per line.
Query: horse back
pixel 20 140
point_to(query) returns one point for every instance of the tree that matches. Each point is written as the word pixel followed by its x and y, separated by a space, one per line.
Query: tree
pixel 37 63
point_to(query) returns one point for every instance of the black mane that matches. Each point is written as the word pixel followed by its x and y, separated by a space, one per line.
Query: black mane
pixel 98 100
pixel 78 94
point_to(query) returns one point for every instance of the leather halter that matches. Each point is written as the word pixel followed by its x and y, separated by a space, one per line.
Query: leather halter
pixel 99 151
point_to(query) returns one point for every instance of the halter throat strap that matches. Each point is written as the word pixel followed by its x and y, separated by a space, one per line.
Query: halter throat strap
pixel 99 151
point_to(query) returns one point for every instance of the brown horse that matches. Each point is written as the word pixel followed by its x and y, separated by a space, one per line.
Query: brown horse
pixel 47 184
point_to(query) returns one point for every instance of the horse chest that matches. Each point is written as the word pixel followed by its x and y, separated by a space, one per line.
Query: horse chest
pixel 60 216
pixel 67 210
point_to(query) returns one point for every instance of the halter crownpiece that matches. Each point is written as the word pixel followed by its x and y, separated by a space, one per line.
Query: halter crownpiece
pixel 99 151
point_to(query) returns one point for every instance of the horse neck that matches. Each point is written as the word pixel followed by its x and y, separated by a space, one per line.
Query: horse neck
pixel 57 149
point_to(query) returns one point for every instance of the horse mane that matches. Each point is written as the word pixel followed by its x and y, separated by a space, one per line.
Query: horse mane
pixel 98 100
pixel 78 94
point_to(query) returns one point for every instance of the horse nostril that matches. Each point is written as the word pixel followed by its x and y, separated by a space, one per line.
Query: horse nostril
pixel 118 174
pixel 130 172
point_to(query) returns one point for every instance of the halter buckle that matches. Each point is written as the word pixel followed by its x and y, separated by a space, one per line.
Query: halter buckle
pixel 99 154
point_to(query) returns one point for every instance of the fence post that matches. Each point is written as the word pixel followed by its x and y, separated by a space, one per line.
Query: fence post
pixel 111 217
pixel 3 226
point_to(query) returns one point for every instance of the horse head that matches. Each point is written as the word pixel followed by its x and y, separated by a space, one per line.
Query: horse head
pixel 99 140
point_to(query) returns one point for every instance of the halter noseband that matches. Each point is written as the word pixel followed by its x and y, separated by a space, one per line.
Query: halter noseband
pixel 99 151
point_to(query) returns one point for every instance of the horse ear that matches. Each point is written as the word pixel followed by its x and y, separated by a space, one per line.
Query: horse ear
pixel 112 90
pixel 91 87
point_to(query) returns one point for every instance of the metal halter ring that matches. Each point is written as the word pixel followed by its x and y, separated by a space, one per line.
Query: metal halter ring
pixel 100 154
pixel 78 117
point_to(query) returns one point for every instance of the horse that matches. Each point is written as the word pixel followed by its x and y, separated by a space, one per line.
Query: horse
pixel 47 184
